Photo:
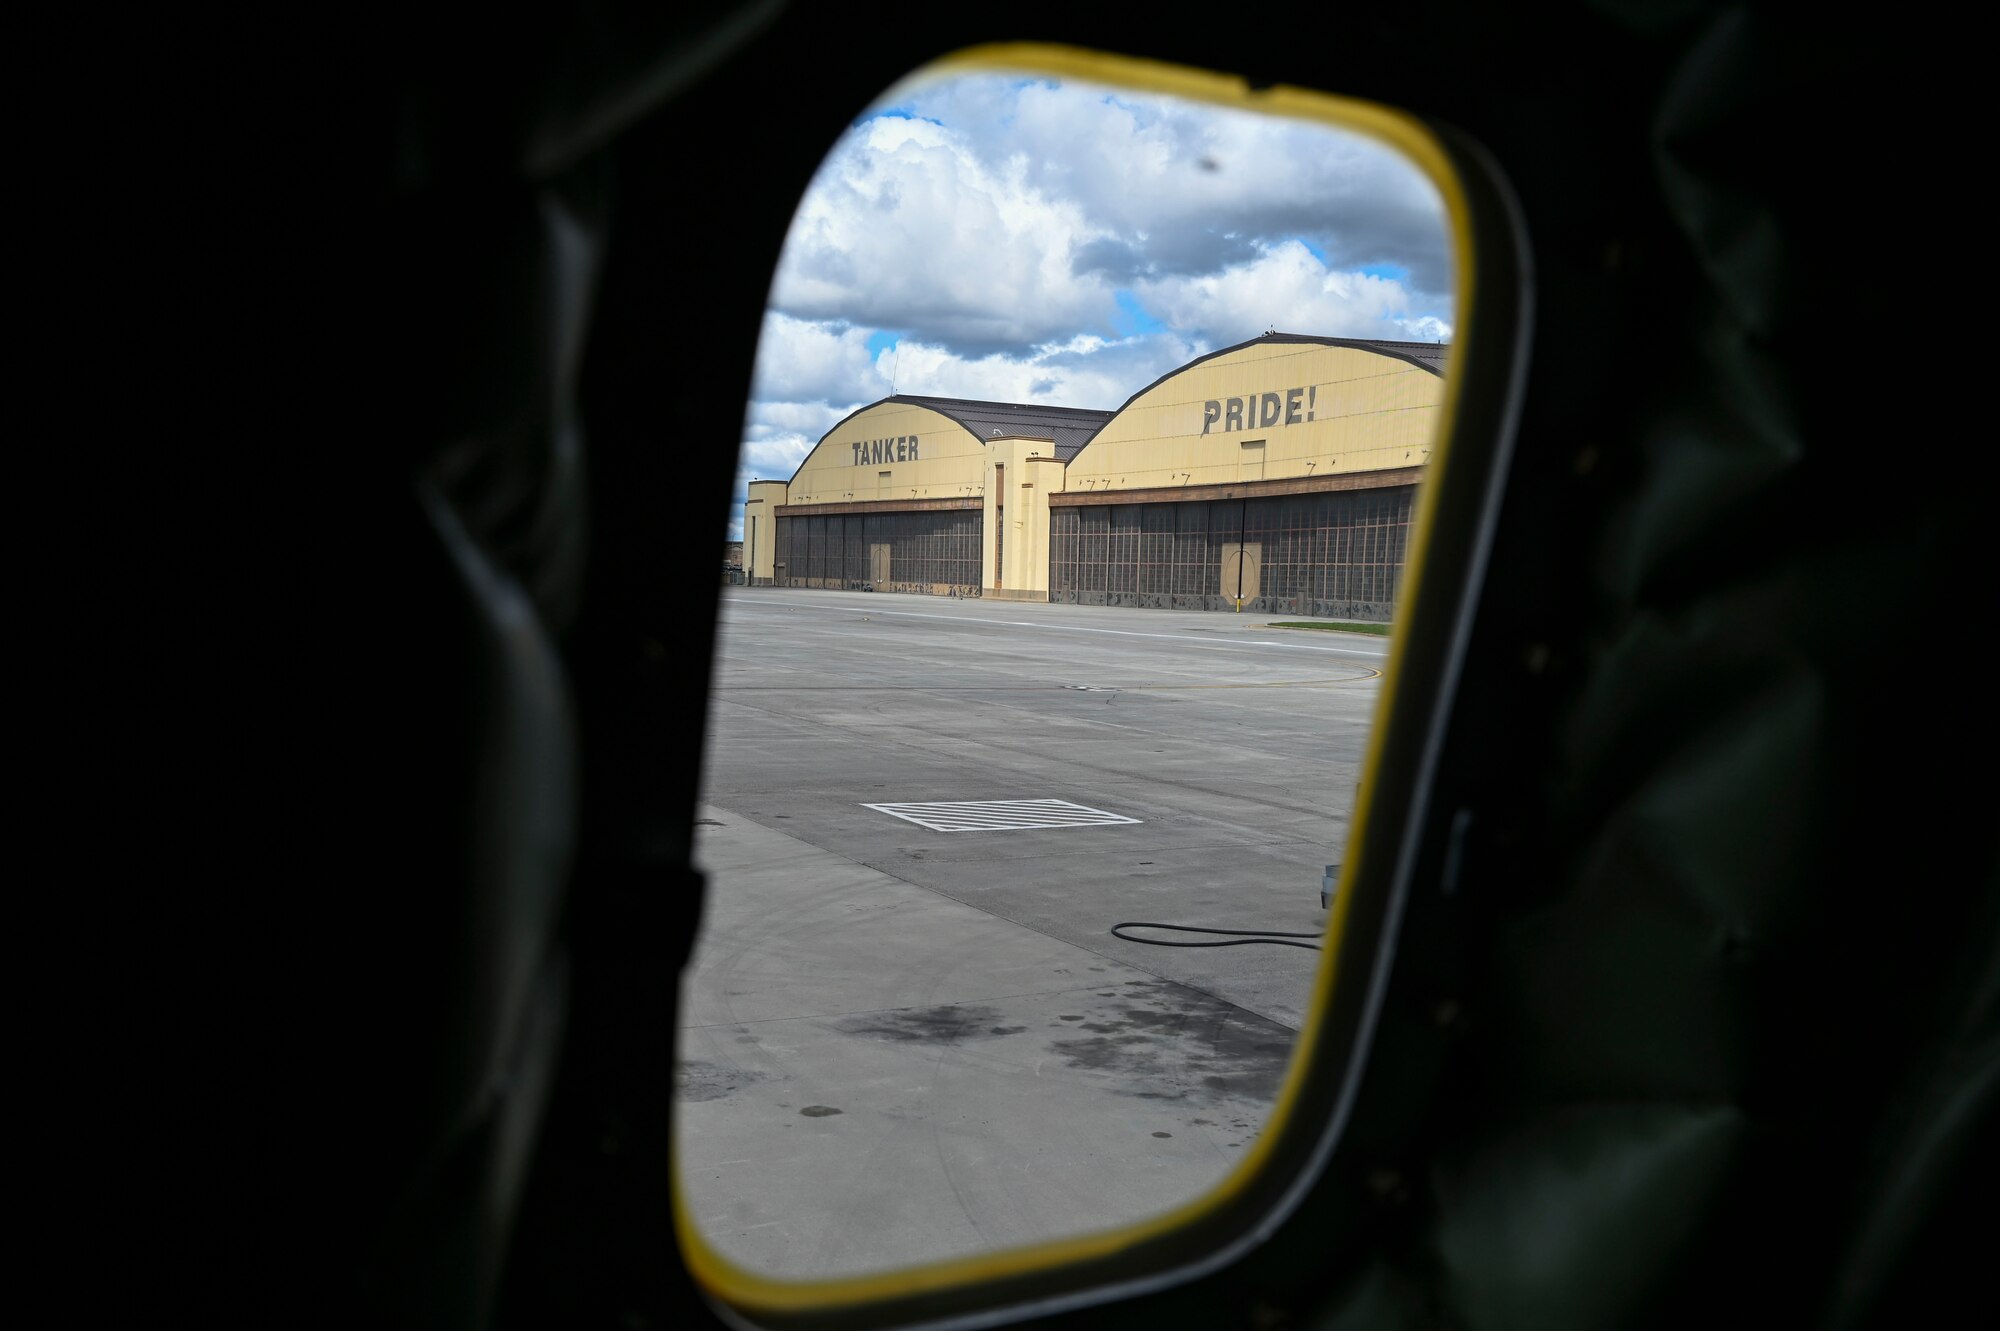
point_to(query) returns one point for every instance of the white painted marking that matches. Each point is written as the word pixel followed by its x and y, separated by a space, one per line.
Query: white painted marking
pixel 1181 638
pixel 998 815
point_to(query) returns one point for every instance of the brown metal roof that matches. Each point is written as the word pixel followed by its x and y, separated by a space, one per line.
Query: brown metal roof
pixel 1070 428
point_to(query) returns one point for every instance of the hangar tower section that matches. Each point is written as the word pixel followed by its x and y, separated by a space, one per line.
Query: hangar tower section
pixel 1278 475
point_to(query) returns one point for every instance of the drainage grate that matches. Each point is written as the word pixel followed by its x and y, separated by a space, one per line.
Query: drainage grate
pixel 999 815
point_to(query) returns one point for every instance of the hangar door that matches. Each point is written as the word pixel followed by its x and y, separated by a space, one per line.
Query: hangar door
pixel 1242 567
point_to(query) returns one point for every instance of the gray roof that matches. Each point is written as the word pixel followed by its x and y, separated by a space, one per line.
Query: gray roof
pixel 1432 356
pixel 1069 427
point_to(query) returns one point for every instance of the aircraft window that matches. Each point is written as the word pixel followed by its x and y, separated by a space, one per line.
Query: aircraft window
pixel 1025 821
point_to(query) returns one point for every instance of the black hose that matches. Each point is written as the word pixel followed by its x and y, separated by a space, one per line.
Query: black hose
pixel 1238 939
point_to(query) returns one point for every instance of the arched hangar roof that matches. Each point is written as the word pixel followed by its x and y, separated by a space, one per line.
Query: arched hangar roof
pixel 1070 428
pixel 1310 407
pixel 1430 356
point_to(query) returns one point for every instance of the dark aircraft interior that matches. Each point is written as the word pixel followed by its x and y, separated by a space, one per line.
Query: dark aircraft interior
pixel 1670 999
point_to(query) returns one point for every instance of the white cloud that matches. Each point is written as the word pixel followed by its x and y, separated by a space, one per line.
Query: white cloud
pixel 773 458
pixel 907 227
pixel 1085 371
pixel 1287 288
pixel 805 418
pixel 1188 177
pixel 803 361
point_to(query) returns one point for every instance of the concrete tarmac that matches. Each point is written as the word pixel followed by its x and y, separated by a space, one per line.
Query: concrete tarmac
pixel 903 1044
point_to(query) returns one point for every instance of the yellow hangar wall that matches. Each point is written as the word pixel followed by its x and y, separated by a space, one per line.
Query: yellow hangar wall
pixel 1245 468
pixel 891 451
pixel 892 498
pixel 902 458
pixel 1263 412
pixel 1275 476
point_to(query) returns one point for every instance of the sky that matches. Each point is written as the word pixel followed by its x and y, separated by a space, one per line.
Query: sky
pixel 1021 240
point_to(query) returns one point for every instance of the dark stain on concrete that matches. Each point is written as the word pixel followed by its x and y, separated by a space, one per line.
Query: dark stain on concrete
pixel 1170 1042
pixel 1163 1134
pixel 696 1080
pixel 946 1024
pixel 1069 1016
pixel 820 1111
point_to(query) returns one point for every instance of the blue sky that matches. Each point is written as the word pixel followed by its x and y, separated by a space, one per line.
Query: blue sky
pixel 1028 241
pixel 1133 319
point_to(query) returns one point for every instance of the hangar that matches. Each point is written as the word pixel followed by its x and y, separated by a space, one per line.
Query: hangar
pixel 1277 475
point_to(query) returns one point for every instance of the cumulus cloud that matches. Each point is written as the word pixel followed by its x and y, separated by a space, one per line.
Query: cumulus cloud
pixel 804 418
pixel 1289 288
pixel 799 360
pixel 775 457
pixel 907 225
pixel 1084 371
pixel 1202 184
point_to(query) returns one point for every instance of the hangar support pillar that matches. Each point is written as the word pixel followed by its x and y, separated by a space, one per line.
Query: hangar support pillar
pixel 760 531
pixel 1022 471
